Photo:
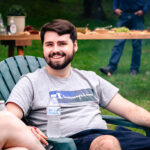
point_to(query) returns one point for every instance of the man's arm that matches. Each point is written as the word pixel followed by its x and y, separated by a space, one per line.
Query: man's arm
pixel 115 4
pixel 15 109
pixel 116 8
pixel 129 110
pixel 146 6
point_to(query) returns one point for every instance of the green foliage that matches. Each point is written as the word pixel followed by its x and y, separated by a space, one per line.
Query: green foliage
pixel 17 10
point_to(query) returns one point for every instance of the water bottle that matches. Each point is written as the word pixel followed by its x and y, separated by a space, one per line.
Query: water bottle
pixel 53 118
pixel 2 27
pixel 2 105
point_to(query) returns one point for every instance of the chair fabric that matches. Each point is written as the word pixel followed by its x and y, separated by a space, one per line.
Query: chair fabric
pixel 10 71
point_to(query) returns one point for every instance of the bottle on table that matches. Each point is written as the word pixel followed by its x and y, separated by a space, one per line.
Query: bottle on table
pixel 2 105
pixel 53 118
pixel 2 27
pixel 11 28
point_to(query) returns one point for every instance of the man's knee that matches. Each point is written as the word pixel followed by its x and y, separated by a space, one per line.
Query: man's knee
pixel 105 142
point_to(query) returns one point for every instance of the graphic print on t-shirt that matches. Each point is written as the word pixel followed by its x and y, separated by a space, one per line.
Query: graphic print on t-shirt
pixel 73 96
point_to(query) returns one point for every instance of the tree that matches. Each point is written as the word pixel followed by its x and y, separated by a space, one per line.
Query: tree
pixel 54 1
pixel 94 9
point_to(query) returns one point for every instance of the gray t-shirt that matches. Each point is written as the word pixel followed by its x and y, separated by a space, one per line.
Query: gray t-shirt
pixel 79 95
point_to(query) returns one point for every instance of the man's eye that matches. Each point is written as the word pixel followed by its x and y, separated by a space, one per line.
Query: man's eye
pixel 63 43
pixel 49 44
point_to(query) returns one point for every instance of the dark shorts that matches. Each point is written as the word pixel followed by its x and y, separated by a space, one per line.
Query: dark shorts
pixel 128 139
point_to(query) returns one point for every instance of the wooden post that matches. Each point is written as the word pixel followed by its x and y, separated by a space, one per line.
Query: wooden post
pixel 20 44
pixel 20 50
pixel 11 48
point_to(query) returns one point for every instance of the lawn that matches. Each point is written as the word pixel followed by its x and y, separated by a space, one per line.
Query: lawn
pixel 92 54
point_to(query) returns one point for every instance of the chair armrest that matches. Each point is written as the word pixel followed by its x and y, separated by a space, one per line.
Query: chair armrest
pixel 62 143
pixel 123 122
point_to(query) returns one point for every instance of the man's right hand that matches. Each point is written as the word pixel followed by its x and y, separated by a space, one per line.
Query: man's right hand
pixel 118 12
pixel 39 134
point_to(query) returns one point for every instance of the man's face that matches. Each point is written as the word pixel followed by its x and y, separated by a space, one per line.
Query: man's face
pixel 58 50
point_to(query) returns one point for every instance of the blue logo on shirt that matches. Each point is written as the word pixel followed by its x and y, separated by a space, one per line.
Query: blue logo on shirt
pixel 73 96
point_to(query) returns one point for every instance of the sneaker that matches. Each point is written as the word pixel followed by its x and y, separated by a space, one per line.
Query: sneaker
pixel 106 70
pixel 133 72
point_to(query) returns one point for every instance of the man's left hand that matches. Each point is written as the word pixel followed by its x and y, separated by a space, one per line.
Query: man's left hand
pixel 139 13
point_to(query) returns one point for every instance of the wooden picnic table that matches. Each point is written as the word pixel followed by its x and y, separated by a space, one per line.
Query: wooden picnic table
pixel 21 40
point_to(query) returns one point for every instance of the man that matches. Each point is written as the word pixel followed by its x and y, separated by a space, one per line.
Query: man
pixel 131 15
pixel 15 135
pixel 79 93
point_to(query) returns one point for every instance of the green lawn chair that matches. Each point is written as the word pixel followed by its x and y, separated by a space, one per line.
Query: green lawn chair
pixel 10 71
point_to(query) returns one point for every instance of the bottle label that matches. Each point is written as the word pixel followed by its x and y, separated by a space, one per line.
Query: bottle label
pixel 53 110
pixel 13 28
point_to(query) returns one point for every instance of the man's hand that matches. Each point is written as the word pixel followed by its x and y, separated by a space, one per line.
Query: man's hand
pixel 39 134
pixel 118 12
pixel 139 13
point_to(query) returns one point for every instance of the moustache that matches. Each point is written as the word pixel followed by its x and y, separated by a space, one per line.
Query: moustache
pixel 56 53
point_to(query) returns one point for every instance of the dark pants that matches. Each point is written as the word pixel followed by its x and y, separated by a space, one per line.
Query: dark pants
pixel 133 22
pixel 128 139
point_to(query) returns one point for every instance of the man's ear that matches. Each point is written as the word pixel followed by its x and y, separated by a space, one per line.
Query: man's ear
pixel 75 44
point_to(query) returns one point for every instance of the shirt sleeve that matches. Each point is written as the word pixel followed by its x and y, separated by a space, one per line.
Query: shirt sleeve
pixel 146 6
pixel 22 95
pixel 106 92
pixel 115 4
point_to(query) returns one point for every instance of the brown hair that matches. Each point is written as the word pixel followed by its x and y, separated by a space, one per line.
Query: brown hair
pixel 61 27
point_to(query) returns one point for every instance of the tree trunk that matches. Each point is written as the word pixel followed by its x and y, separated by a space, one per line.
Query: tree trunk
pixel 94 9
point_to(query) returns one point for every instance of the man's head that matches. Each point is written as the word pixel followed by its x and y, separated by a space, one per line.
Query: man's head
pixel 59 43
pixel 61 27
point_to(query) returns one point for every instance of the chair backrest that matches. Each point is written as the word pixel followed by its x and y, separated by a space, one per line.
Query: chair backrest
pixel 12 68
pixel 10 71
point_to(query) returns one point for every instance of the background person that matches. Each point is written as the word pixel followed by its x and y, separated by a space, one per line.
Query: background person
pixel 131 15
pixel 79 93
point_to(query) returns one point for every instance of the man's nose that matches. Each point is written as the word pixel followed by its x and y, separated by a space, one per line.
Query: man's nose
pixel 55 47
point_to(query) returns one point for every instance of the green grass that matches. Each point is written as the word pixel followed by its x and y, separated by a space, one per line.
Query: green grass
pixel 92 54
pixel 96 53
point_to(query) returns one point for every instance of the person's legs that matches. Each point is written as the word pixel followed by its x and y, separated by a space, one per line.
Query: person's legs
pixel 137 24
pixel 117 49
pixel 136 55
pixel 15 134
pixel 116 54
pixel 95 139
pixel 105 142
pixel 121 138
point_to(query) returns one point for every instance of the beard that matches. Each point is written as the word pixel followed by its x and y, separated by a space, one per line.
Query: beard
pixel 59 65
